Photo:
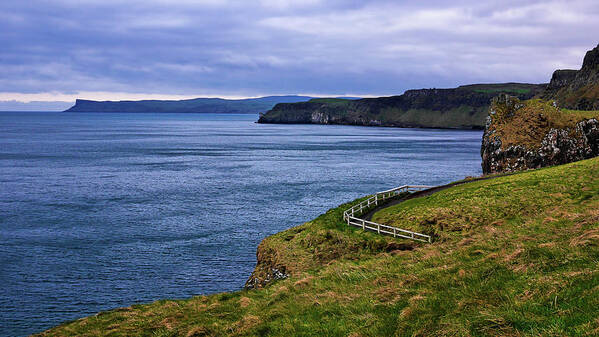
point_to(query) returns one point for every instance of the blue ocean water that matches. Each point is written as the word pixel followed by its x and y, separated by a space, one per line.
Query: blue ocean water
pixel 99 211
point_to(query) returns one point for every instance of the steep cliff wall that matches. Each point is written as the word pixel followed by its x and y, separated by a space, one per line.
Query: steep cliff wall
pixel 577 89
pixel 533 134
pixel 462 107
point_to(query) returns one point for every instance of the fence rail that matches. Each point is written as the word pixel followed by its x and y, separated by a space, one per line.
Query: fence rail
pixel 351 216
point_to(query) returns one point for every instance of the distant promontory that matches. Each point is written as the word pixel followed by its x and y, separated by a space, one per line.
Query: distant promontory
pixel 464 107
pixel 196 105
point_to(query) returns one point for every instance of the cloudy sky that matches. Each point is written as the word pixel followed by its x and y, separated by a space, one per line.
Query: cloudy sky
pixel 109 49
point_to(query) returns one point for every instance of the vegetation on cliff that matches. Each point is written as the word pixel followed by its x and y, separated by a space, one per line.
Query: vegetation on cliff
pixel 515 255
pixel 556 129
pixel 462 107
pixel 577 89
pixel 536 133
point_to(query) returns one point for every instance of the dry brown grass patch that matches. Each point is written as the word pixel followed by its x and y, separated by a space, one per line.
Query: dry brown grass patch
pixel 198 331
pixel 304 282
pixel 431 253
pixel 246 323
pixel 244 302
pixel 113 326
pixel 513 255
pixel 596 330
pixel 355 334
pixel 280 290
pixel 491 256
pixel 168 323
pixel 415 299
pixel 522 268
pixel 592 216
pixel 406 312
pixel 387 294
pixel 588 237
pixel 213 305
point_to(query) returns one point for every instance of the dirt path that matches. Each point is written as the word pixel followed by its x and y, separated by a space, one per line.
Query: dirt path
pixel 391 202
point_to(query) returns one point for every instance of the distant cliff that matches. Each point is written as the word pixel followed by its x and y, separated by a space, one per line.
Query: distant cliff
pixel 462 107
pixel 577 89
pixel 197 105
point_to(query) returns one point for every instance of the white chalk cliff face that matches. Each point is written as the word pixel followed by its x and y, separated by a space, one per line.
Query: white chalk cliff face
pixel 319 117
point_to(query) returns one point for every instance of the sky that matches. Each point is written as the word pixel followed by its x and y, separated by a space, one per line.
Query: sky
pixel 59 50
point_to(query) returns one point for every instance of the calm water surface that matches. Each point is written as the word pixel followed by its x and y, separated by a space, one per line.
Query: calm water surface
pixel 99 211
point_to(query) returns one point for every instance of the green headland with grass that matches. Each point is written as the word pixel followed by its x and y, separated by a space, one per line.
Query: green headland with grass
pixel 464 107
pixel 516 255
pixel 512 255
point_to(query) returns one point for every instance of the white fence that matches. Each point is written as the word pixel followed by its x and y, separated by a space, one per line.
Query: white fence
pixel 351 215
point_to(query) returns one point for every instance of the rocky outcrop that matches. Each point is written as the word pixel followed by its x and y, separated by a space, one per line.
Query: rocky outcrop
pixel 561 78
pixel 268 268
pixel 577 89
pixel 464 107
pixel 555 144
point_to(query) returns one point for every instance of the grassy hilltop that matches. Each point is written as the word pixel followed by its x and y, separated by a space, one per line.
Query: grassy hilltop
pixel 515 255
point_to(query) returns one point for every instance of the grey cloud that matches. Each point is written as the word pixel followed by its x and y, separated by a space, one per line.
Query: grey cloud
pixel 273 47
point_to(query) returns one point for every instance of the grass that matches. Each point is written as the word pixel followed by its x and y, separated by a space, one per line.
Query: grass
pixel 528 125
pixel 514 91
pixel 514 256
pixel 339 101
pixel 585 95
pixel 459 117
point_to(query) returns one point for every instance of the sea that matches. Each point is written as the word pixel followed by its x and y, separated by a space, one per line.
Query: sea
pixel 105 210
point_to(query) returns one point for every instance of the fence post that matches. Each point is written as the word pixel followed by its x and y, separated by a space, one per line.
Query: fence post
pixel 350 214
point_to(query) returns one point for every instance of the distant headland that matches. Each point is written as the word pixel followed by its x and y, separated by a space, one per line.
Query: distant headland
pixel 196 105
pixel 464 107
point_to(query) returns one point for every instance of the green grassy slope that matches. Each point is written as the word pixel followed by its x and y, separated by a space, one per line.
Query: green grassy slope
pixel 516 255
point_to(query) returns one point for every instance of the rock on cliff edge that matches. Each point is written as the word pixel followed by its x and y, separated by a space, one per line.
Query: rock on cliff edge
pixel 577 89
pixel 269 268
pixel 533 134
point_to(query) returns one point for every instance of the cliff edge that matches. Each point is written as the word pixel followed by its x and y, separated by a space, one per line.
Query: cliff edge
pixel 577 89
pixel 525 264
pixel 532 134
pixel 558 127
pixel 464 107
